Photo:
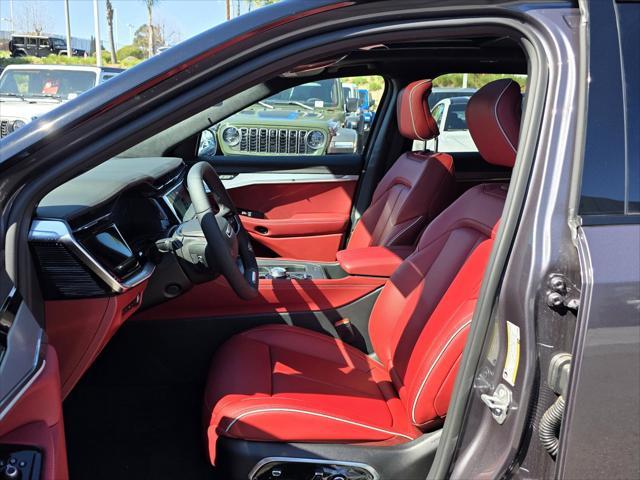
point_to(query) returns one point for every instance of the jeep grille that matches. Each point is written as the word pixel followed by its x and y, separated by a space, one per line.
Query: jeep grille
pixel 4 128
pixel 274 140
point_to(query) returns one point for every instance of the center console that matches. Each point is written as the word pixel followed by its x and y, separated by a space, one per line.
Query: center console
pixel 279 269
pixel 368 261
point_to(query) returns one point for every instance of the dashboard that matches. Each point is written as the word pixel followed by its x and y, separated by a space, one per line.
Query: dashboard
pixel 95 235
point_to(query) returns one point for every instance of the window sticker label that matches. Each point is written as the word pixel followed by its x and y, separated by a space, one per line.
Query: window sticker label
pixel 513 354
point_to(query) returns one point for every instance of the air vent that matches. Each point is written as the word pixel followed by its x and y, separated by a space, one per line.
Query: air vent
pixel 62 275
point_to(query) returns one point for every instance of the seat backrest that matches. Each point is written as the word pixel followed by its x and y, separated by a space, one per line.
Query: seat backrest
pixel 420 321
pixel 417 187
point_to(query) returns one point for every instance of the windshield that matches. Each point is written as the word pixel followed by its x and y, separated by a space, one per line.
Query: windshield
pixel 46 83
pixel 324 91
pixel 58 42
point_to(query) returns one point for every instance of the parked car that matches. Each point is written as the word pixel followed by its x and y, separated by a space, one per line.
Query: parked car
pixel 307 119
pixel 23 45
pixel 29 91
pixel 387 314
pixel 362 119
pixel 440 93
pixel 450 115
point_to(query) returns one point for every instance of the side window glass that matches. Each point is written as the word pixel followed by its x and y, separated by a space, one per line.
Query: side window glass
pixel 321 117
pixel 629 18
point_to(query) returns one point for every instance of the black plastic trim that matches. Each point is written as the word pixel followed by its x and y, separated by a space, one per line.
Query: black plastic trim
pixel 406 461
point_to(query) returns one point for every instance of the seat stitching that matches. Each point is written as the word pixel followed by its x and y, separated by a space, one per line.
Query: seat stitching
pixel 391 240
pixel 495 114
pixel 459 224
pixel 315 414
pixel 329 340
pixel 413 123
pixel 433 365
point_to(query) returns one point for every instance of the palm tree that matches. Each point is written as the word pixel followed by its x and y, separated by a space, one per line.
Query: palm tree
pixel 114 58
pixel 150 35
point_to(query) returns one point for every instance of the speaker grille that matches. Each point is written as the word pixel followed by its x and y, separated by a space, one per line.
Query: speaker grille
pixel 62 275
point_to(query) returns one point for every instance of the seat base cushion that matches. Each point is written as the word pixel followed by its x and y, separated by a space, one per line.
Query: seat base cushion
pixel 288 384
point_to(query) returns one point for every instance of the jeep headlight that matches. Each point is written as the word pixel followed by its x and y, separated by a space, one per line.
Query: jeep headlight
pixel 231 136
pixel 316 139
pixel 17 125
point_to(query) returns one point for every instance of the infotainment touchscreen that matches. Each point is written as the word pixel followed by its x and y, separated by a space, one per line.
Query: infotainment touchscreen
pixel 110 250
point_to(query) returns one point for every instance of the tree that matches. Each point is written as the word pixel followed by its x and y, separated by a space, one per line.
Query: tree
pixel 33 18
pixel 141 37
pixel 151 40
pixel 114 56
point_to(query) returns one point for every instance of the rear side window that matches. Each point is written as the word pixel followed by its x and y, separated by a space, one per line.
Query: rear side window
pixel 611 175
pixel 320 117
pixel 629 25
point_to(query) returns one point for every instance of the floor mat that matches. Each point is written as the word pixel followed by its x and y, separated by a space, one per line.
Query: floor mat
pixel 137 412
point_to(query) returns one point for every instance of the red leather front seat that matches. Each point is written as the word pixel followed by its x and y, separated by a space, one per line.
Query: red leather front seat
pixel 279 383
pixel 417 187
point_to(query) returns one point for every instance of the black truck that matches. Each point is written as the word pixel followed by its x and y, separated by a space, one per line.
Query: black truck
pixel 40 46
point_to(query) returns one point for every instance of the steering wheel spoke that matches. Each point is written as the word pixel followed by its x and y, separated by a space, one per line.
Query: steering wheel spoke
pixel 227 240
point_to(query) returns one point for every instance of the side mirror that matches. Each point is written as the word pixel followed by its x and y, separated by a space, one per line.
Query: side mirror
pixel 372 103
pixel 352 105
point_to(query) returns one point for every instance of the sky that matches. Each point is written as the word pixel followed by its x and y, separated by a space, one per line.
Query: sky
pixel 183 17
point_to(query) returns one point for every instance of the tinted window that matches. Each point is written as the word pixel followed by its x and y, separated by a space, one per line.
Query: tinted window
pixel 610 176
pixel 629 25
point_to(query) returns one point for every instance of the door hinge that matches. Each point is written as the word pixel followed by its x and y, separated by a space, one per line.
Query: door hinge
pixel 498 402
pixel 562 295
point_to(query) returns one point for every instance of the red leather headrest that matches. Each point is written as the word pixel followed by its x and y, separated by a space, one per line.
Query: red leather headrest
pixel 414 118
pixel 493 117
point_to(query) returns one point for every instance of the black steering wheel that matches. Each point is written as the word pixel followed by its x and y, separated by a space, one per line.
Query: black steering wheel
pixel 227 239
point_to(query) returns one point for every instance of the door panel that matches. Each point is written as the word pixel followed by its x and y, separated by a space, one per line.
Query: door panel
pixel 294 215
pixel 31 423
pixel 35 420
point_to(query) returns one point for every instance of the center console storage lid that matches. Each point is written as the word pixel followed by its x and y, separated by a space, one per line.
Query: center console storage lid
pixel 372 261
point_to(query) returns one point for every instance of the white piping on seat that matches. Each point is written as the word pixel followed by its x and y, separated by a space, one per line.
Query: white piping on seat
pixel 433 365
pixel 413 123
pixel 495 114
pixel 304 412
